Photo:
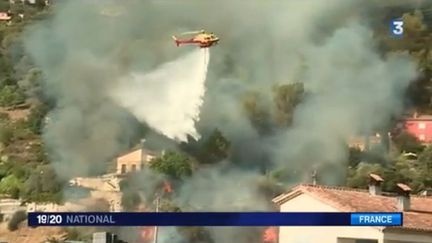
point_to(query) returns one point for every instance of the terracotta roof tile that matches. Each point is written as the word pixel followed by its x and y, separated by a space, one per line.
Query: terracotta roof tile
pixel 356 200
pixel 404 187
pixel 419 118
pixel 137 150
pixel 376 177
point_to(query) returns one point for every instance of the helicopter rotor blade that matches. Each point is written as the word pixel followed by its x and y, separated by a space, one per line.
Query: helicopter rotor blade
pixel 192 32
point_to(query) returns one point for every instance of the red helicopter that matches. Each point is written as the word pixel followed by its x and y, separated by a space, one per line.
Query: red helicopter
pixel 202 39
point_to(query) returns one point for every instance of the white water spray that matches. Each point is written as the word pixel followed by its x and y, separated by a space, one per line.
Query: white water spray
pixel 169 98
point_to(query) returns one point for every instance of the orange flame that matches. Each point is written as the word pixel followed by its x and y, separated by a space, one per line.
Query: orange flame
pixel 270 235
pixel 167 187
pixel 147 234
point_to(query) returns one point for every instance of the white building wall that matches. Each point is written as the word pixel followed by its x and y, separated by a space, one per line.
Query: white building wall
pixel 9 206
pixel 103 183
pixel 42 207
pixel 306 203
pixel 406 237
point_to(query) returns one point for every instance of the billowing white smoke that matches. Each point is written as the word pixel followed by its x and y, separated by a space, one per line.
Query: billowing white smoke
pixel 169 98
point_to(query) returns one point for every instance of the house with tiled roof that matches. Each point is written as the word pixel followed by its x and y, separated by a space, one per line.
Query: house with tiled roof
pixel 417 214
pixel 134 160
pixel 419 126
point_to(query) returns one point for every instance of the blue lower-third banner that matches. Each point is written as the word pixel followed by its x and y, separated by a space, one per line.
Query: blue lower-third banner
pixel 215 219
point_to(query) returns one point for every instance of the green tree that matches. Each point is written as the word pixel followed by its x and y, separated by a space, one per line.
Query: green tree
pixel 40 155
pixel 417 40
pixel 425 166
pixel 256 111
pixel 20 170
pixel 43 185
pixel 358 176
pixel 36 118
pixel 17 8
pixel 3 170
pixel 420 91
pixel 11 37
pixel 281 174
pixel 355 156
pixel 11 95
pixel 17 218
pixel 40 4
pixel 425 159
pixel 6 135
pixel 424 59
pixel 215 148
pixel 414 24
pixel 210 149
pixel 11 185
pixel 7 81
pixel 4 5
pixel 48 179
pixel 4 117
pixel 407 142
pixel 31 80
pixel 402 171
pixel 174 164
pixel 286 97
pixel 5 72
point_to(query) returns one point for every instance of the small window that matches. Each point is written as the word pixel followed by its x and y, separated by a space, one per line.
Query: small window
pixel 422 125
pixel 422 137
pixel 133 167
pixel 123 168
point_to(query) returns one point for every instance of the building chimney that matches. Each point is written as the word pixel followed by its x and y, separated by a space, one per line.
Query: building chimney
pixel 403 199
pixel 314 177
pixel 426 192
pixel 375 184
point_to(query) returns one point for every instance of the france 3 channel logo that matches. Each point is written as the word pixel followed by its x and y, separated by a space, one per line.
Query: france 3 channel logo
pixel 397 28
